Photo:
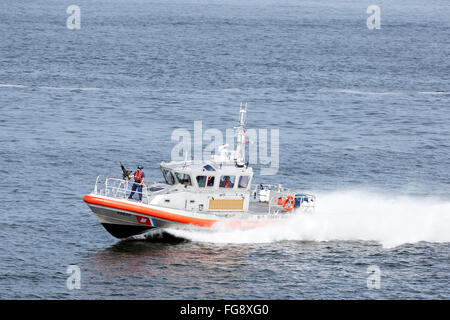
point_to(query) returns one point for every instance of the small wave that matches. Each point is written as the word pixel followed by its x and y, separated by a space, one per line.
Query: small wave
pixel 366 92
pixel 349 91
pixel 69 88
pixel 435 92
pixel 232 90
pixel 6 85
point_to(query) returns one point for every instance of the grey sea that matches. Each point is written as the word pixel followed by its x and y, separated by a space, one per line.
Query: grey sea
pixel 364 124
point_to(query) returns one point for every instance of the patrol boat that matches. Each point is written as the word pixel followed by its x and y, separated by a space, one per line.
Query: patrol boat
pixel 216 193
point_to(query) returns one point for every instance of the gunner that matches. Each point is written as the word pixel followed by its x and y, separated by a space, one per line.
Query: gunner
pixel 139 176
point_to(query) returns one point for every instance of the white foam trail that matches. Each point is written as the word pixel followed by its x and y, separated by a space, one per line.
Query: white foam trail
pixel 349 215
pixel 152 233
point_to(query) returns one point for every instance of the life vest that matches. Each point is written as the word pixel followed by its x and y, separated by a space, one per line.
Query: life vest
pixel 138 176
pixel 227 183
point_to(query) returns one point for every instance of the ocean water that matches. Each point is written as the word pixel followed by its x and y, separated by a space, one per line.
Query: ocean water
pixel 364 124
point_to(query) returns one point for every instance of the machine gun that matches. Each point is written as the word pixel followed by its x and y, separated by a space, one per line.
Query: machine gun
pixel 125 173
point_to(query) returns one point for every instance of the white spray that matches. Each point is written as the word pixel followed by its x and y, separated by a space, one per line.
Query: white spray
pixel 350 215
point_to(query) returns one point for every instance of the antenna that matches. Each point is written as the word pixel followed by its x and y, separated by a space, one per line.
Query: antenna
pixel 239 156
pixel 243 111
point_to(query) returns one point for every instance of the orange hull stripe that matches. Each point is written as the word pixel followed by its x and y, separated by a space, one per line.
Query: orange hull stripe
pixel 148 211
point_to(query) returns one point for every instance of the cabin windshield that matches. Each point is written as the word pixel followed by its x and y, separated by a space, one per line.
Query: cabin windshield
pixel 201 181
pixel 243 181
pixel 183 178
pixel 168 176
pixel 227 181
pixel 205 181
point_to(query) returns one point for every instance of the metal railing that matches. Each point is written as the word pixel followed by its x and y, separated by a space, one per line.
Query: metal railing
pixel 120 188
pixel 279 200
pixel 282 200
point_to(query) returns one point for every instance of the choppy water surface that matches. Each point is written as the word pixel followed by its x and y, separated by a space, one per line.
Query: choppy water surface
pixel 364 123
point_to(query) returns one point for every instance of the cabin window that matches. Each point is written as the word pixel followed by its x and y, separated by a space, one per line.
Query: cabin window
pixel 183 178
pixel 243 181
pixel 227 181
pixel 203 181
pixel 210 182
pixel 168 176
pixel 209 168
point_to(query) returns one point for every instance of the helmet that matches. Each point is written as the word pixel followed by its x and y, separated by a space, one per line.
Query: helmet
pixel 140 166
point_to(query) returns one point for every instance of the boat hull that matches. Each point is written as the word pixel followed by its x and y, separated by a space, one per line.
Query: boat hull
pixel 124 218
pixel 124 231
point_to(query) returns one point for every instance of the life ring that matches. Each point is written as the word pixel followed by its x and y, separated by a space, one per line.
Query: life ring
pixel 288 203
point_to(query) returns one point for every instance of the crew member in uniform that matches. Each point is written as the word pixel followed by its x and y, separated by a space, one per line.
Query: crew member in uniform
pixel 138 176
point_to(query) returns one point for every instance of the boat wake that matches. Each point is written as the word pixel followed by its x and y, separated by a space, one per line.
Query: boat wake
pixel 349 216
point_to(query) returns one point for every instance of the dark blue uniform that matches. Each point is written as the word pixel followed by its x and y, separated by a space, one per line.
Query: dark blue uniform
pixel 138 176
